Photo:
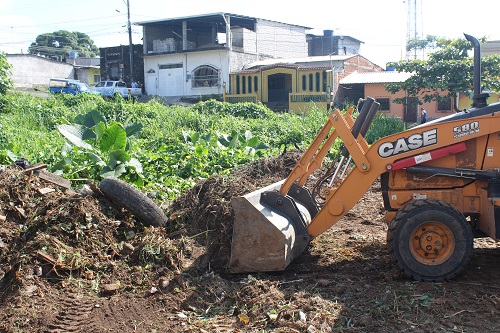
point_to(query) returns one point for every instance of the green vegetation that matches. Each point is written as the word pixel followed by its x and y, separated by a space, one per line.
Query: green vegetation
pixel 60 43
pixel 448 67
pixel 5 68
pixel 162 149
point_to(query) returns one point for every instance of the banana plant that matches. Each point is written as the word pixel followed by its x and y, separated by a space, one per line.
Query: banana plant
pixel 91 133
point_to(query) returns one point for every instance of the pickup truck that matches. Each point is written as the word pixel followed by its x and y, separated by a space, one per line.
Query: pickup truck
pixel 68 86
pixel 114 88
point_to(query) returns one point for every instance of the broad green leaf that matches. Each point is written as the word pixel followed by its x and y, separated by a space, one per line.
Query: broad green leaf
pixel 96 159
pixel 261 145
pixel 88 134
pixel 234 141
pixel 225 140
pixel 133 129
pixel 133 162
pixel 252 142
pixel 113 138
pixel 99 129
pixel 194 137
pixel 248 135
pixel 116 173
pixel 90 119
pixel 74 134
pixel 118 156
pixel 201 151
pixel 61 164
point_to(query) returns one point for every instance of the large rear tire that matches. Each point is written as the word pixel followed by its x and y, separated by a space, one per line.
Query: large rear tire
pixel 430 240
pixel 127 196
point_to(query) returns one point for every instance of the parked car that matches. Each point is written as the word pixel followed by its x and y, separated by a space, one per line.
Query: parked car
pixel 69 86
pixel 114 88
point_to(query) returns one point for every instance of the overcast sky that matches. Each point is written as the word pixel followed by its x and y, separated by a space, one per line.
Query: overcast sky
pixel 380 24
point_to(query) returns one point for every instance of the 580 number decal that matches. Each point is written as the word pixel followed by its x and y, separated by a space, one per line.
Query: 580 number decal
pixel 466 129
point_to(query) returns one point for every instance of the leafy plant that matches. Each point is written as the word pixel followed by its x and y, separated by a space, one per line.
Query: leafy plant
pixel 91 133
pixel 5 71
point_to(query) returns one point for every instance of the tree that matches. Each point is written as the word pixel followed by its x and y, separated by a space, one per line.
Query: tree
pixel 5 71
pixel 61 43
pixel 449 68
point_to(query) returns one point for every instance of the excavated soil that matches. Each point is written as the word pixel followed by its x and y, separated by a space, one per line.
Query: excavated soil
pixel 72 262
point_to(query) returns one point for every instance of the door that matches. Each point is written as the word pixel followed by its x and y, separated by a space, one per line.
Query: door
pixel 411 107
pixel 151 84
pixel 280 86
pixel 170 80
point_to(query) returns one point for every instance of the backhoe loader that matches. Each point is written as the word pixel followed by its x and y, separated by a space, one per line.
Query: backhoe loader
pixel 440 185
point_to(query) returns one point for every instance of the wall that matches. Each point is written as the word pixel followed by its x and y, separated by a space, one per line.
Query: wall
pixel 115 63
pixel 465 102
pixel 189 61
pixel 279 40
pixel 377 90
pixel 86 74
pixel 29 71
pixel 239 59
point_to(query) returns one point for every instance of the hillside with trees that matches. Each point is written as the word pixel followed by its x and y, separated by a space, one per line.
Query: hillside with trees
pixel 59 44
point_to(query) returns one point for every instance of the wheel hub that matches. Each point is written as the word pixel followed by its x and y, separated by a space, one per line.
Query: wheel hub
pixel 432 243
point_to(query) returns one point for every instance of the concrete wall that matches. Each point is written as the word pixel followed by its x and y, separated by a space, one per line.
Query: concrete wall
pixel 177 81
pixel 377 90
pixel 279 40
pixel 29 71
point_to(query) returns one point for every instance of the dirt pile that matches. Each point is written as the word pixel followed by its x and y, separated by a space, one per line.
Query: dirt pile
pixel 49 233
pixel 205 211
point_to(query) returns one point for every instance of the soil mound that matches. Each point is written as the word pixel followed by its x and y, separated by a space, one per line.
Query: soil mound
pixel 205 211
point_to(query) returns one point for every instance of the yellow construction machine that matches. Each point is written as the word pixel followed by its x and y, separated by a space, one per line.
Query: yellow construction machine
pixel 440 184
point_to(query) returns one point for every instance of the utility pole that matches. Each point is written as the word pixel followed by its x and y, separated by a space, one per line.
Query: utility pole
pixel 131 46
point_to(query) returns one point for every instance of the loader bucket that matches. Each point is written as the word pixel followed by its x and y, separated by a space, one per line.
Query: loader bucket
pixel 269 230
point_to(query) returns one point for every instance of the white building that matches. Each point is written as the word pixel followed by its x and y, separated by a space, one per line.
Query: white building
pixel 193 56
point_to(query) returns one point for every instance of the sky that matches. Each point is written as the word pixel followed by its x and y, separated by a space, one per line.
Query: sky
pixel 379 24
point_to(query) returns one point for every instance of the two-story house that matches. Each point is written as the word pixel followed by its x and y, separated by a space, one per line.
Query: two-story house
pixel 193 56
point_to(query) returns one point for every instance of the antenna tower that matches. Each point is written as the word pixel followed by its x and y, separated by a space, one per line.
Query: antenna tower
pixel 414 26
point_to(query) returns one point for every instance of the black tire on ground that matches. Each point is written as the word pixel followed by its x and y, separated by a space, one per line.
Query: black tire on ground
pixel 127 196
pixel 430 240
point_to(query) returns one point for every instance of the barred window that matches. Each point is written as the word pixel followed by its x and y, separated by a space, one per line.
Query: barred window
pixel 385 104
pixel 205 76
pixel 444 105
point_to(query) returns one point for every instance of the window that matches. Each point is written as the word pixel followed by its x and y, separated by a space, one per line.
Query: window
pixel 97 78
pixel 255 83
pixel 318 81
pixel 167 66
pixel 324 81
pixel 311 82
pixel 249 84
pixel 444 105
pixel 385 104
pixel 109 83
pixel 304 83
pixel 237 84
pixel 205 76
pixel 100 84
pixel 243 85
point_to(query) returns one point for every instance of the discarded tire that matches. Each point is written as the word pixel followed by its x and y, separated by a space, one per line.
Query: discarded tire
pixel 128 197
